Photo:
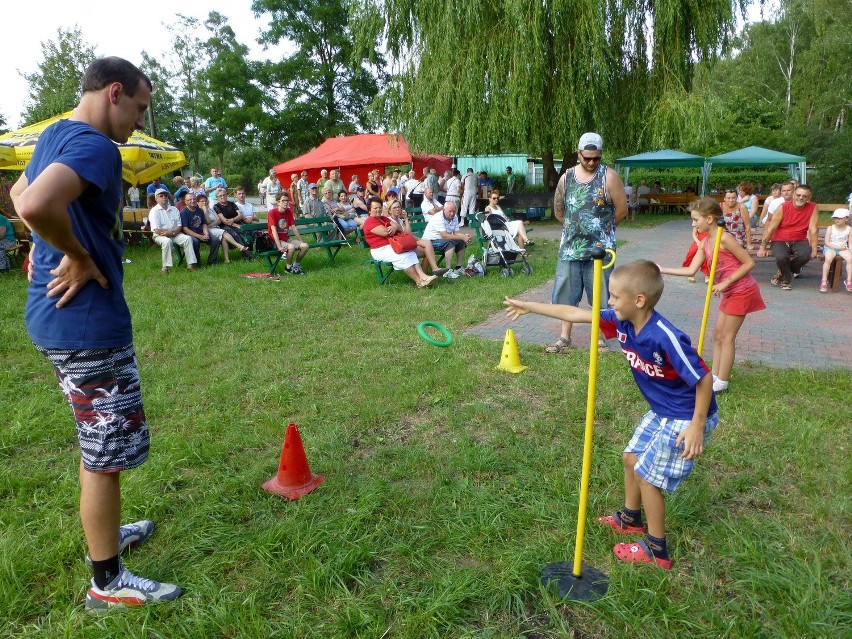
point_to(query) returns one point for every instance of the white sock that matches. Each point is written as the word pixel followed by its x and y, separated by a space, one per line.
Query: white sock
pixel 720 385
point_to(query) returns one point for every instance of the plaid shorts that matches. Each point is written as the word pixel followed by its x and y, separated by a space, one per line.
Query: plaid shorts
pixel 102 387
pixel 653 442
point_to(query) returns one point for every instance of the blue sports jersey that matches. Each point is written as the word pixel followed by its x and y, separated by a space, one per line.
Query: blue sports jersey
pixel 95 317
pixel 665 365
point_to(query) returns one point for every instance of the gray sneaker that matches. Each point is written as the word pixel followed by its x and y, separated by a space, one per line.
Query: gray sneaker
pixel 130 535
pixel 451 275
pixel 129 590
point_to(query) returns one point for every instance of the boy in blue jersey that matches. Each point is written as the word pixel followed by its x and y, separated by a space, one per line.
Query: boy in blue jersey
pixel 676 383
pixel 76 315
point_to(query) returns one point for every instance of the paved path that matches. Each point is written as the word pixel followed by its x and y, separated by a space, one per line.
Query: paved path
pixel 801 328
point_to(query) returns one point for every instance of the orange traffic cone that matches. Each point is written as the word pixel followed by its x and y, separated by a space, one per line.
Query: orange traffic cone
pixel 294 477
pixel 510 360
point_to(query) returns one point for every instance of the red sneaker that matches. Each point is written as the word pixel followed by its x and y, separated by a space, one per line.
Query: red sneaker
pixel 639 553
pixel 614 522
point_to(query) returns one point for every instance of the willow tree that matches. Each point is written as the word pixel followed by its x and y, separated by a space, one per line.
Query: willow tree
pixel 480 76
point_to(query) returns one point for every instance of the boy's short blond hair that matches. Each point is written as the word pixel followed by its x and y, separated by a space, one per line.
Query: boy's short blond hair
pixel 641 276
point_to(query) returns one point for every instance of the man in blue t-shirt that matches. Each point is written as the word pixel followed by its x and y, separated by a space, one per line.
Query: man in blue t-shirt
pixel 76 314
pixel 677 385
pixel 215 181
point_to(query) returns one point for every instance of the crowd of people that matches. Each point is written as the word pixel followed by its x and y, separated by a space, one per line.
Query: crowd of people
pixel 183 220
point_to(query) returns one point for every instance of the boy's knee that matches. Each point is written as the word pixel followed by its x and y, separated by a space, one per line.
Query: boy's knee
pixel 630 460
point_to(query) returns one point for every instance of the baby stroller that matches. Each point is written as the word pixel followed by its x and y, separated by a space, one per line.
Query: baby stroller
pixel 501 250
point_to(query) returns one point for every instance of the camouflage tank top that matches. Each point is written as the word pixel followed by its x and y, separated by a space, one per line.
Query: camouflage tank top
pixel 589 216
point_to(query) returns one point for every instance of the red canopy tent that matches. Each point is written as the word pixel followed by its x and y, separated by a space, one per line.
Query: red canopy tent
pixel 358 155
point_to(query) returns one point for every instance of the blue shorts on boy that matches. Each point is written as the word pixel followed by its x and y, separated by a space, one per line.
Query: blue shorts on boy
pixel 666 368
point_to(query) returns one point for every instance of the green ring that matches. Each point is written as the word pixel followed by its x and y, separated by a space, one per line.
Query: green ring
pixel 448 337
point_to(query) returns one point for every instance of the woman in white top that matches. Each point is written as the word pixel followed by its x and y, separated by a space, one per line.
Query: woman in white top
pixel 774 193
pixel 516 227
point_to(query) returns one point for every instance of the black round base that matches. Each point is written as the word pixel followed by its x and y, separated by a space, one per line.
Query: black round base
pixel 559 578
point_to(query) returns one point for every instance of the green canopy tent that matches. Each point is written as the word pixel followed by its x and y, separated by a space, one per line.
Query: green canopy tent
pixel 758 156
pixel 664 159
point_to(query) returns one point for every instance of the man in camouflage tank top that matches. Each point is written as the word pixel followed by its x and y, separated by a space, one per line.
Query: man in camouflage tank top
pixel 590 202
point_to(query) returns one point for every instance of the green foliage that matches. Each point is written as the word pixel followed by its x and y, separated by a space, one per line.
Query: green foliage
pixel 321 88
pixel 56 86
pixel 483 77
pixel 787 88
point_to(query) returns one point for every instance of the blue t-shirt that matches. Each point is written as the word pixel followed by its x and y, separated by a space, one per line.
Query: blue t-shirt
pixel 95 317
pixel 153 186
pixel 215 182
pixel 665 365
pixel 193 220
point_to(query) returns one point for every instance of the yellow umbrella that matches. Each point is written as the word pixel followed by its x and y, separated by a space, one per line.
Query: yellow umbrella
pixel 142 157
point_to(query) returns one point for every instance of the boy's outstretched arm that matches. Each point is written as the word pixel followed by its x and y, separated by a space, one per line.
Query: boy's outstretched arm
pixel 693 435
pixel 516 308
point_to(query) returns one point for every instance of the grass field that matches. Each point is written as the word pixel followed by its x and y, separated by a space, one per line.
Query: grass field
pixel 448 485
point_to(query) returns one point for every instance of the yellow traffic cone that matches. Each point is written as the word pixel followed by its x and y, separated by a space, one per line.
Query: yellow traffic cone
pixel 510 360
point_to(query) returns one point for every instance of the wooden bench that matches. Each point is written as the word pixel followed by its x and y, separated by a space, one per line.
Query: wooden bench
pixel 135 227
pixel 323 230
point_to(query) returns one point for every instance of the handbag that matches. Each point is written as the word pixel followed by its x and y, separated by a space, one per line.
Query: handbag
pixel 403 242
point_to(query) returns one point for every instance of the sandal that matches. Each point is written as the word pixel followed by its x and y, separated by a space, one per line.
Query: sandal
pixel 426 281
pixel 602 347
pixel 639 553
pixel 614 522
pixel 848 286
pixel 823 287
pixel 530 243
pixel 786 287
pixel 775 279
pixel 560 346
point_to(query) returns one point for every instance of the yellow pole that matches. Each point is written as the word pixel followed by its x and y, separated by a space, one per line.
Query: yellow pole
pixel 597 255
pixel 721 224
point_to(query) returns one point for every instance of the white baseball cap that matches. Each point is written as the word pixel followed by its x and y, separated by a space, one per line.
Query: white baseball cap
pixel 590 142
pixel 840 213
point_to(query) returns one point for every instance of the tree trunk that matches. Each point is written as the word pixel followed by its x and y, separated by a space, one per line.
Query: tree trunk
pixel 550 177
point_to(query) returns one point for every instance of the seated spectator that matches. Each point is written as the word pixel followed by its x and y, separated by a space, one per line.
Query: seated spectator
pixel 792 233
pixel 164 220
pixel 656 187
pixel 377 229
pixel 7 241
pixel 391 196
pixel 642 193
pixel 344 214
pixel 430 206
pixel 215 230
pixel 516 227
pixel 230 219
pixel 180 188
pixel 774 194
pixel 359 203
pixel 194 225
pixel 837 242
pixel 746 197
pixel 196 187
pixel 443 231
pixel 424 247
pixel 312 206
pixel 246 208
pixel 280 222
